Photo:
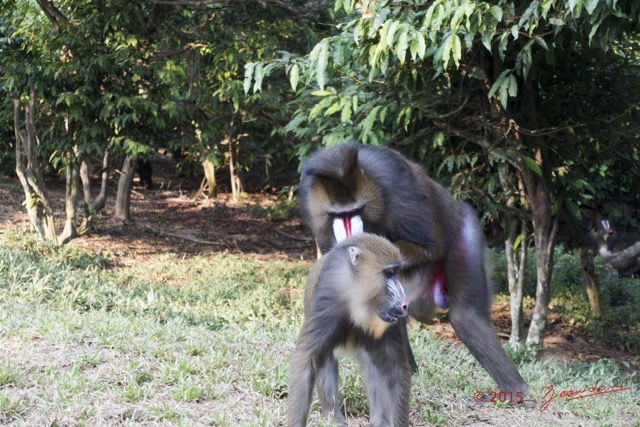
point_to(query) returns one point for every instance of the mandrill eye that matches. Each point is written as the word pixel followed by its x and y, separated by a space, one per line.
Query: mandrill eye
pixel 390 272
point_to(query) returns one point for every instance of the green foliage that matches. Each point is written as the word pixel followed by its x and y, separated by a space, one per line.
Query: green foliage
pixel 468 86
pixel 135 77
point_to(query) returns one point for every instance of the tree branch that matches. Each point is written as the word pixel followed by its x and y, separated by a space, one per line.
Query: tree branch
pixel 53 14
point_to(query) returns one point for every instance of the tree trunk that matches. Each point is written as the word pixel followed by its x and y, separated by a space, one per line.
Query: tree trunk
pixel 28 170
pixel 70 200
pixel 545 229
pixel 85 178
pixel 516 261
pixel 100 201
pixel 544 241
pixel 236 183
pixel 590 281
pixel 208 167
pixel 125 184
pixel 210 183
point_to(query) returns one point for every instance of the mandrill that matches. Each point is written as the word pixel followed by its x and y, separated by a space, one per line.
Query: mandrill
pixel 349 188
pixel 353 300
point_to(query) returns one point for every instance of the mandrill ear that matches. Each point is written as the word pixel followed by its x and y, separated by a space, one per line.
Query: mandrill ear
pixel 354 254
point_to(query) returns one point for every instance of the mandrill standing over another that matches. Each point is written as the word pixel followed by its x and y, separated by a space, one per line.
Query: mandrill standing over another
pixel 349 188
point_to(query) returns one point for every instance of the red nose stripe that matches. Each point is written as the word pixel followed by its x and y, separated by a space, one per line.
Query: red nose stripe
pixel 347 225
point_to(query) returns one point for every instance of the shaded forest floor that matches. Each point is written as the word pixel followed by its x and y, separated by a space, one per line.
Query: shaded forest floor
pixel 172 217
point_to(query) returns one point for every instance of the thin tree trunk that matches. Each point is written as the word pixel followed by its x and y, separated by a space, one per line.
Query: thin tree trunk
pixel 208 167
pixel 85 178
pixel 544 242
pixel 100 201
pixel 590 281
pixel 544 229
pixel 70 200
pixel 125 184
pixel 236 183
pixel 28 170
pixel 545 226
pixel 210 183
pixel 516 261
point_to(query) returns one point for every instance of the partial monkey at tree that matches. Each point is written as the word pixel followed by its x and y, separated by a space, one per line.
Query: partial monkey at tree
pixel 354 301
pixel 349 188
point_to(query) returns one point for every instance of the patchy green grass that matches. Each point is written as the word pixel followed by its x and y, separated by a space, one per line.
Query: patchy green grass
pixel 207 341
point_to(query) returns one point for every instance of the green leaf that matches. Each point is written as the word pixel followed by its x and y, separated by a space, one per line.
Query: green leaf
pixel 531 164
pixel 393 27
pixel 575 6
pixel 319 58
pixel 333 108
pixel 322 93
pixel 518 240
pixel 426 23
pixel 457 18
pixel 496 12
pixel 403 44
pixel 294 76
pixel 457 50
pixel 503 90
pixel 573 208
pixel 345 114
pixel 438 139
pixel 323 58
pixel 248 76
pixel 446 49
pixel 515 32
pixel 502 47
pixel 367 123
pixel 419 45
pixel 590 5
pixel 257 76
pixel 496 85
pixel 513 86
pixel 487 36
pixel 542 42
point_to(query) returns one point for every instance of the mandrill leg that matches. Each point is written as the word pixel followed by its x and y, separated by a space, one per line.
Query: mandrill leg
pixel 327 384
pixel 470 306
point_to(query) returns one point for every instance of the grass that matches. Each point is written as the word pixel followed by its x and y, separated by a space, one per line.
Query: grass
pixel 207 341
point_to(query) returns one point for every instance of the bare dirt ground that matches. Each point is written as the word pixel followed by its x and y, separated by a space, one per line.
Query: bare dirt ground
pixel 172 217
